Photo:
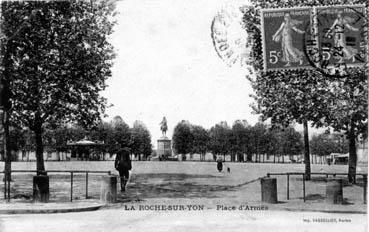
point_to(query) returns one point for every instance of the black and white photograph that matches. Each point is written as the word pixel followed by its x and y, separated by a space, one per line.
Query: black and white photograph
pixel 196 115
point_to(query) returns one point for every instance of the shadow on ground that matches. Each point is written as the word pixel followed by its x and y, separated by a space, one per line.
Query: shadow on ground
pixel 169 185
pixel 140 186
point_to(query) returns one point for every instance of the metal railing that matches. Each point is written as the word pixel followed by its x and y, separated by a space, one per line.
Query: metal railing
pixel 72 172
pixel 288 174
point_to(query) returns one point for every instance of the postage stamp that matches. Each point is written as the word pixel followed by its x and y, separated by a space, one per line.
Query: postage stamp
pixel 283 37
pixel 336 39
pixel 328 38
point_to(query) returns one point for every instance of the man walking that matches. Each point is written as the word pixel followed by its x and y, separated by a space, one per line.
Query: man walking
pixel 123 165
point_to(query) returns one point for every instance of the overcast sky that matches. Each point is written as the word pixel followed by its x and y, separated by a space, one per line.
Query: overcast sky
pixel 166 65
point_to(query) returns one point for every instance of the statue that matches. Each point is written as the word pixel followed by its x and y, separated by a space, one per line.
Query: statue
pixel 163 126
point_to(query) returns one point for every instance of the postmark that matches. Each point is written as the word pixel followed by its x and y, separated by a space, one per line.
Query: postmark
pixel 229 36
pixel 336 39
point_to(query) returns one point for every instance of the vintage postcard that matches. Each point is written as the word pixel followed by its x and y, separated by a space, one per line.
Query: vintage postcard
pixel 196 115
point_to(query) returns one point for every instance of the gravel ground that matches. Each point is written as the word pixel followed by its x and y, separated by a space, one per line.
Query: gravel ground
pixel 192 182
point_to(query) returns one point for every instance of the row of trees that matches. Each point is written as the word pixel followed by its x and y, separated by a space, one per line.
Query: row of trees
pixel 113 134
pixel 259 140
pixel 239 140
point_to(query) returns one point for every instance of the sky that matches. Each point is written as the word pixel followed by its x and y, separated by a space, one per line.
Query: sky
pixel 166 65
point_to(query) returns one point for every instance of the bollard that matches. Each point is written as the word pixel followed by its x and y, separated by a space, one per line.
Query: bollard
pixel 108 190
pixel 269 190
pixel 334 193
pixel 41 188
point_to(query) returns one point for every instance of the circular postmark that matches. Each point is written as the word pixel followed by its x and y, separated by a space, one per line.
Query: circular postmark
pixel 229 36
pixel 336 39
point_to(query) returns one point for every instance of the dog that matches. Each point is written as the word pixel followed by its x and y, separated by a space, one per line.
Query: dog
pixel 228 169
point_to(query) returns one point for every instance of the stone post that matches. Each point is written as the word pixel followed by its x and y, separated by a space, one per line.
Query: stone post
pixel 334 193
pixel 41 191
pixel 269 190
pixel 108 190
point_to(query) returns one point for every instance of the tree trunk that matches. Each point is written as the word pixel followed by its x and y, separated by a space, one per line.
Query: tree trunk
pixel 352 155
pixel 57 155
pixel 240 158
pixel 306 152
pixel 274 158
pixel 39 150
pixel 7 152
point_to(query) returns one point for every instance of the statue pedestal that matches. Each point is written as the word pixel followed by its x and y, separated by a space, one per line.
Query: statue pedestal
pixel 164 147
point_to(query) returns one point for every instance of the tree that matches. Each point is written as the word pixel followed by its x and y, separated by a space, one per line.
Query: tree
pixel 58 63
pixel 240 141
pixel 312 92
pixel 220 136
pixel 182 138
pixel 140 140
pixel 121 135
pixel 290 142
pixel 325 144
pixel 349 111
pixel 104 132
pixel 258 140
pixel 200 141
pixel 17 139
pixel 272 146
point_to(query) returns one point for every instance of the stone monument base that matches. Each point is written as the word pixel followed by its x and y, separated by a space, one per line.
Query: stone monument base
pixel 164 147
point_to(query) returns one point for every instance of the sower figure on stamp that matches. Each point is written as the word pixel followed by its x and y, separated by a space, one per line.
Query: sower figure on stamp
pixel 284 36
pixel 123 165
pixel 338 30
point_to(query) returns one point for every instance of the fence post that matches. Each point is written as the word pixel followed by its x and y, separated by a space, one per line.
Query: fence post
pixel 334 191
pixel 269 190
pixel 86 185
pixel 288 186
pixel 365 179
pixel 303 186
pixel 108 189
pixel 71 186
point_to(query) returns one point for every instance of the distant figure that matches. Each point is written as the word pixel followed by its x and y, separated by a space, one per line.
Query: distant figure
pixel 123 165
pixel 164 126
pixel 228 169
pixel 219 164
